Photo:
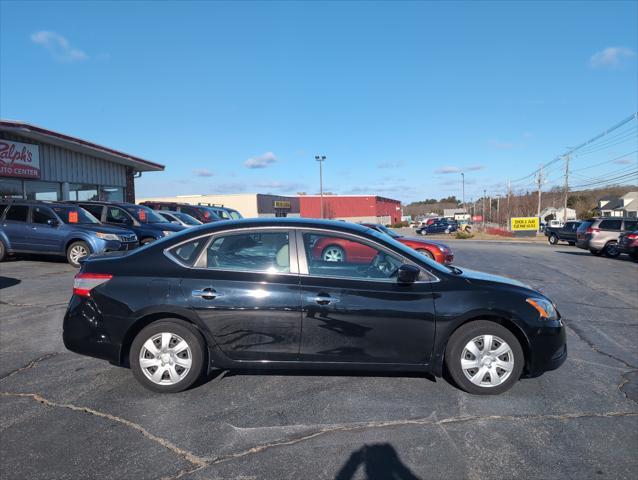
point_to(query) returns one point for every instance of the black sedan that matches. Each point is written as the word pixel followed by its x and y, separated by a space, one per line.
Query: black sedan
pixel 253 294
pixel 442 226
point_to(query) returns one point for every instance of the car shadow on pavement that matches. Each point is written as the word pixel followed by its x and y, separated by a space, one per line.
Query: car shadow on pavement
pixel 624 258
pixel 380 461
pixel 6 282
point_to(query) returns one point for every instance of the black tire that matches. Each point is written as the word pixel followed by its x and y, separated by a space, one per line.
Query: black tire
pixel 425 252
pixel 72 252
pixel 456 346
pixel 3 251
pixel 186 332
pixel 553 239
pixel 571 244
pixel 611 249
pixel 146 240
pixel 337 250
pixel 595 252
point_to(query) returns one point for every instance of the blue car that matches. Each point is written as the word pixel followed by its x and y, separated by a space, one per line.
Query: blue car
pixel 57 229
pixel 146 223
pixel 442 226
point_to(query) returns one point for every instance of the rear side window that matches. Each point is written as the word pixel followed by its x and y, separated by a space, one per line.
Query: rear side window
pixel 187 253
pixel 631 225
pixel 610 225
pixel 257 251
pixel 17 213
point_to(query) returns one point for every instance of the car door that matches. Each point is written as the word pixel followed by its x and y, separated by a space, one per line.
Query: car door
pixel 359 313
pixel 15 227
pixel 245 288
pixel 46 233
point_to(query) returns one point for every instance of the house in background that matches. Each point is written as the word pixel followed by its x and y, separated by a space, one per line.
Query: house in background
pixel 624 206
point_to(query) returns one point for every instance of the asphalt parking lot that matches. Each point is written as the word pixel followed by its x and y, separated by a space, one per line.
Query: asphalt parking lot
pixel 68 416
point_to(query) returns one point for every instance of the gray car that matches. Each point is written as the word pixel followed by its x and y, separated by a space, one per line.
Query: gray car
pixel 600 235
pixel 179 218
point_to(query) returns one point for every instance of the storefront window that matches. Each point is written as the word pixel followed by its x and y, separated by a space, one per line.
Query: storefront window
pixel 112 194
pixel 10 188
pixel 78 191
pixel 42 190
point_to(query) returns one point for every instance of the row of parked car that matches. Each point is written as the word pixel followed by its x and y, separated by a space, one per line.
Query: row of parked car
pixel 609 236
pixel 75 229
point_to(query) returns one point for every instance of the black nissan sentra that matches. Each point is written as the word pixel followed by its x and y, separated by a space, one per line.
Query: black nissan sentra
pixel 258 293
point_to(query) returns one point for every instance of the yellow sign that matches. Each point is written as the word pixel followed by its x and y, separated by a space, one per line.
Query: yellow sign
pixel 281 204
pixel 524 223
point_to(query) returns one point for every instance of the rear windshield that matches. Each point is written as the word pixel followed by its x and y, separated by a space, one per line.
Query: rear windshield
pixel 187 219
pixel 75 215
pixel 145 215
pixel 584 225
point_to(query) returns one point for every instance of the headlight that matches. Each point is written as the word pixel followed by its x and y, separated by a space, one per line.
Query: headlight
pixel 166 233
pixel 544 307
pixel 443 248
pixel 107 236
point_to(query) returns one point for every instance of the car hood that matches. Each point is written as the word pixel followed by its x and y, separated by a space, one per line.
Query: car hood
pixel 488 277
pixel 105 229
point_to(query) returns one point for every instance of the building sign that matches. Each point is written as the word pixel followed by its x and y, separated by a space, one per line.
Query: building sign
pixel 19 159
pixel 281 204
pixel 524 223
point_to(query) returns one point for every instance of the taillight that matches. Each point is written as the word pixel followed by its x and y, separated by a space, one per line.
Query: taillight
pixel 83 283
pixel 592 230
pixel 632 236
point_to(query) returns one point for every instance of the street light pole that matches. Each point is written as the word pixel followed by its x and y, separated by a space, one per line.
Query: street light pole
pixel 463 181
pixel 320 159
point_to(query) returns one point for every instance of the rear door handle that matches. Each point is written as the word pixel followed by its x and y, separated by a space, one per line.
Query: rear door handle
pixel 323 300
pixel 206 294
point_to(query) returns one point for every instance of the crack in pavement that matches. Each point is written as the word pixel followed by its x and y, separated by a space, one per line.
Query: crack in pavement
pixel 591 345
pixel 599 306
pixel 29 365
pixel 11 304
pixel 186 455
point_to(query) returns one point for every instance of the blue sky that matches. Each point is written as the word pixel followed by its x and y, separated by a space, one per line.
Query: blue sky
pixel 241 96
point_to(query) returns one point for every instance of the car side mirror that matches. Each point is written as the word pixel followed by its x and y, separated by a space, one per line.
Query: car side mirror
pixel 408 274
pixel 52 222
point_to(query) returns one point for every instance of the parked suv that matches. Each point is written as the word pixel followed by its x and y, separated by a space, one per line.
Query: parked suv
pixel 566 233
pixel 146 224
pixel 203 213
pixel 57 229
pixel 600 235
pixel 628 243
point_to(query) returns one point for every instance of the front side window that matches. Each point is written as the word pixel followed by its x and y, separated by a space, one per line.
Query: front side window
pixel 42 215
pixel 75 215
pixel 331 255
pixel 116 215
pixel 255 251
pixel 17 213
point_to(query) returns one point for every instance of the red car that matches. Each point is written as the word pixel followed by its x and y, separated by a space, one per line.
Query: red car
pixel 333 249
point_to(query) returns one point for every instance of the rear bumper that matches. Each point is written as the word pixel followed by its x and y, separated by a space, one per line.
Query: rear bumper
pixel 83 331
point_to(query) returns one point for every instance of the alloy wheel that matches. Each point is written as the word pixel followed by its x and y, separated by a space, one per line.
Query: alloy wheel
pixel 77 252
pixel 333 254
pixel 165 358
pixel 487 361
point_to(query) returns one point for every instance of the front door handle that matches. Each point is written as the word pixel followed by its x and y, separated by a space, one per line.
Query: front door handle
pixel 206 294
pixel 323 300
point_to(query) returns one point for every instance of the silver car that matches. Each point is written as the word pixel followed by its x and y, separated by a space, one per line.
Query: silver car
pixel 600 235
pixel 179 218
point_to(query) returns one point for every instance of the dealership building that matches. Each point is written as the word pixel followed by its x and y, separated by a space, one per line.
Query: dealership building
pixel 40 164
pixel 248 204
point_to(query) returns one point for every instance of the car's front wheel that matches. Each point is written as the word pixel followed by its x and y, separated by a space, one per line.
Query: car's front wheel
pixel 484 358
pixel 553 239
pixel 168 356
pixel 76 252
pixel 425 252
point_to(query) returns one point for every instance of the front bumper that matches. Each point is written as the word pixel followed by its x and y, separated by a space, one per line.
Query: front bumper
pixel 115 246
pixel 548 348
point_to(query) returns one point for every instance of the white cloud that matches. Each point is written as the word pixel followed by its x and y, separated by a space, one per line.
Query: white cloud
pixel 261 161
pixel 446 170
pixel 624 161
pixel 58 46
pixel 202 172
pixel 610 57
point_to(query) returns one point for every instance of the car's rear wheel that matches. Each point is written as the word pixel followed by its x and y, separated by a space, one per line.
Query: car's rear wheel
pixel 571 244
pixel 168 356
pixel 3 251
pixel 333 253
pixel 76 252
pixel 553 239
pixel 484 358
pixel 611 249
pixel 425 252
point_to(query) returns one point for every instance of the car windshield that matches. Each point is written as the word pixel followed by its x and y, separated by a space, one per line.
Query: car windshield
pixel 235 214
pixel 387 231
pixel 145 215
pixel 186 218
pixel 75 215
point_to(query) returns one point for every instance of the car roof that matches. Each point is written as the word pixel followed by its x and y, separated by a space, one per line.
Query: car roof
pixel 291 222
pixel 47 203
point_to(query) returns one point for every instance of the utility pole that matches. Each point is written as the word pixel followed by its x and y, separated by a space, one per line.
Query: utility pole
pixel 539 182
pixel 320 159
pixel 498 217
pixel 566 187
pixel 509 194
pixel 484 193
pixel 463 181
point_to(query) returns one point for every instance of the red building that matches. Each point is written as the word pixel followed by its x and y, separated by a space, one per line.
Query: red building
pixel 354 208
